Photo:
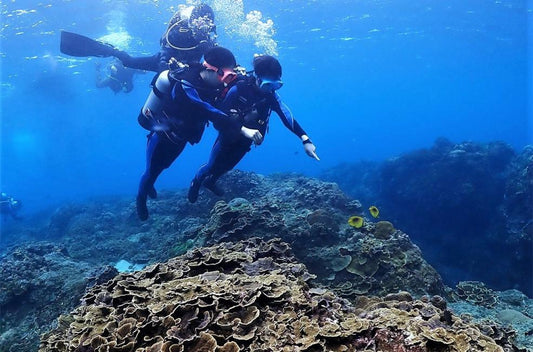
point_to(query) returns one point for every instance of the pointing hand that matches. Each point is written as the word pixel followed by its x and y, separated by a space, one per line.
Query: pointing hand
pixel 310 150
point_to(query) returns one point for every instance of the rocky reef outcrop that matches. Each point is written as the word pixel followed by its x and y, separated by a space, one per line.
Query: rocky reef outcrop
pixel 511 309
pixel 376 259
pixel 366 266
pixel 308 213
pixel 39 281
pixel 252 295
pixel 517 207
pixel 461 203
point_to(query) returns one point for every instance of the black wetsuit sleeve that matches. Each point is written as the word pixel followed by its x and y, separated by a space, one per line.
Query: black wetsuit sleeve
pixel 220 120
pixel 285 115
pixel 230 101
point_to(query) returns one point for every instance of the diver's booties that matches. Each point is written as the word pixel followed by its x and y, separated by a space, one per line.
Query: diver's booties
pixel 210 184
pixel 142 209
pixel 194 188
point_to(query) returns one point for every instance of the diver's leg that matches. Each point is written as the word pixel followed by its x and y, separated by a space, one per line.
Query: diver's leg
pixel 160 154
pixel 227 158
pixel 203 172
pixel 149 63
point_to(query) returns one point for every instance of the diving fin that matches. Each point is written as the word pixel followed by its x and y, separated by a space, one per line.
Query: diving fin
pixel 78 45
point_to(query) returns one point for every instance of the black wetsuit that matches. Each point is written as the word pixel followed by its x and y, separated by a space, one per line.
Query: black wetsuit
pixel 254 107
pixel 186 111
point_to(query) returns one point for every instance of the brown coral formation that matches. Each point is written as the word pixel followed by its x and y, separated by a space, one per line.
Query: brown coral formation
pixel 383 230
pixel 250 296
pixel 376 259
pixel 475 292
pixel 38 282
pixel 238 218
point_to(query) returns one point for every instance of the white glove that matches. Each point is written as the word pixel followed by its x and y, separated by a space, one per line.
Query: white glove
pixel 310 149
pixel 252 134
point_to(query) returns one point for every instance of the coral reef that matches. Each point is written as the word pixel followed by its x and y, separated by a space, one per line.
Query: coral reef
pixel 376 259
pixel 452 191
pixel 39 281
pixel 108 230
pixel 239 219
pixel 508 313
pixel 475 292
pixel 458 202
pixel 311 215
pixel 518 204
pixel 250 296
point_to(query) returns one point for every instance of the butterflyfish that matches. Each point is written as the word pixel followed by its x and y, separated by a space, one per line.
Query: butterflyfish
pixel 356 221
pixel 374 211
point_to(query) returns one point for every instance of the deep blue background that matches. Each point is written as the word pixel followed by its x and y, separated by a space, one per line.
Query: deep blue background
pixel 366 79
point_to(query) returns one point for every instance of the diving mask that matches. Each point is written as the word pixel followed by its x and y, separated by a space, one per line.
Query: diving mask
pixel 226 75
pixel 269 85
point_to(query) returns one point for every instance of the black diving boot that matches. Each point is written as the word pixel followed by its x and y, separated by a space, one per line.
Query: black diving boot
pixel 194 188
pixel 142 209
pixel 211 185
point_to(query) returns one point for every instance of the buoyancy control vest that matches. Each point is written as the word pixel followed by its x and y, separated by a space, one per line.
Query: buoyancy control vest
pixel 169 110
pixel 252 105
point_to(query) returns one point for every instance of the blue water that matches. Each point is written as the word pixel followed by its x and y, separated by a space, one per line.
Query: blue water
pixel 366 79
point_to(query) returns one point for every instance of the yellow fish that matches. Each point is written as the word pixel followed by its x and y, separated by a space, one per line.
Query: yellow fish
pixel 356 221
pixel 374 211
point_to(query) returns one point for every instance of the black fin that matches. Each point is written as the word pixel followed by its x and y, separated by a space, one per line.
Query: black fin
pixel 78 45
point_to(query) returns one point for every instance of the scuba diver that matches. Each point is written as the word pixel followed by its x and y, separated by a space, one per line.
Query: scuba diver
pixel 9 206
pixel 115 76
pixel 177 111
pixel 190 33
pixel 250 101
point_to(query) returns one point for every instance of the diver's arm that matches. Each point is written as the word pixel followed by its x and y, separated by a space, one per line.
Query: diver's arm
pixel 220 120
pixel 288 120
pixel 194 97
pixel 228 104
pixel 214 115
pixel 286 116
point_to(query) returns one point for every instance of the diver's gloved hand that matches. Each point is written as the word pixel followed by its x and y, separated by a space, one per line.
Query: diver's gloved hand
pixel 252 134
pixel 309 147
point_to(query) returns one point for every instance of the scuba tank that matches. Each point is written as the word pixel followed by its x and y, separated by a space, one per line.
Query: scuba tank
pixel 149 117
pixel 153 116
